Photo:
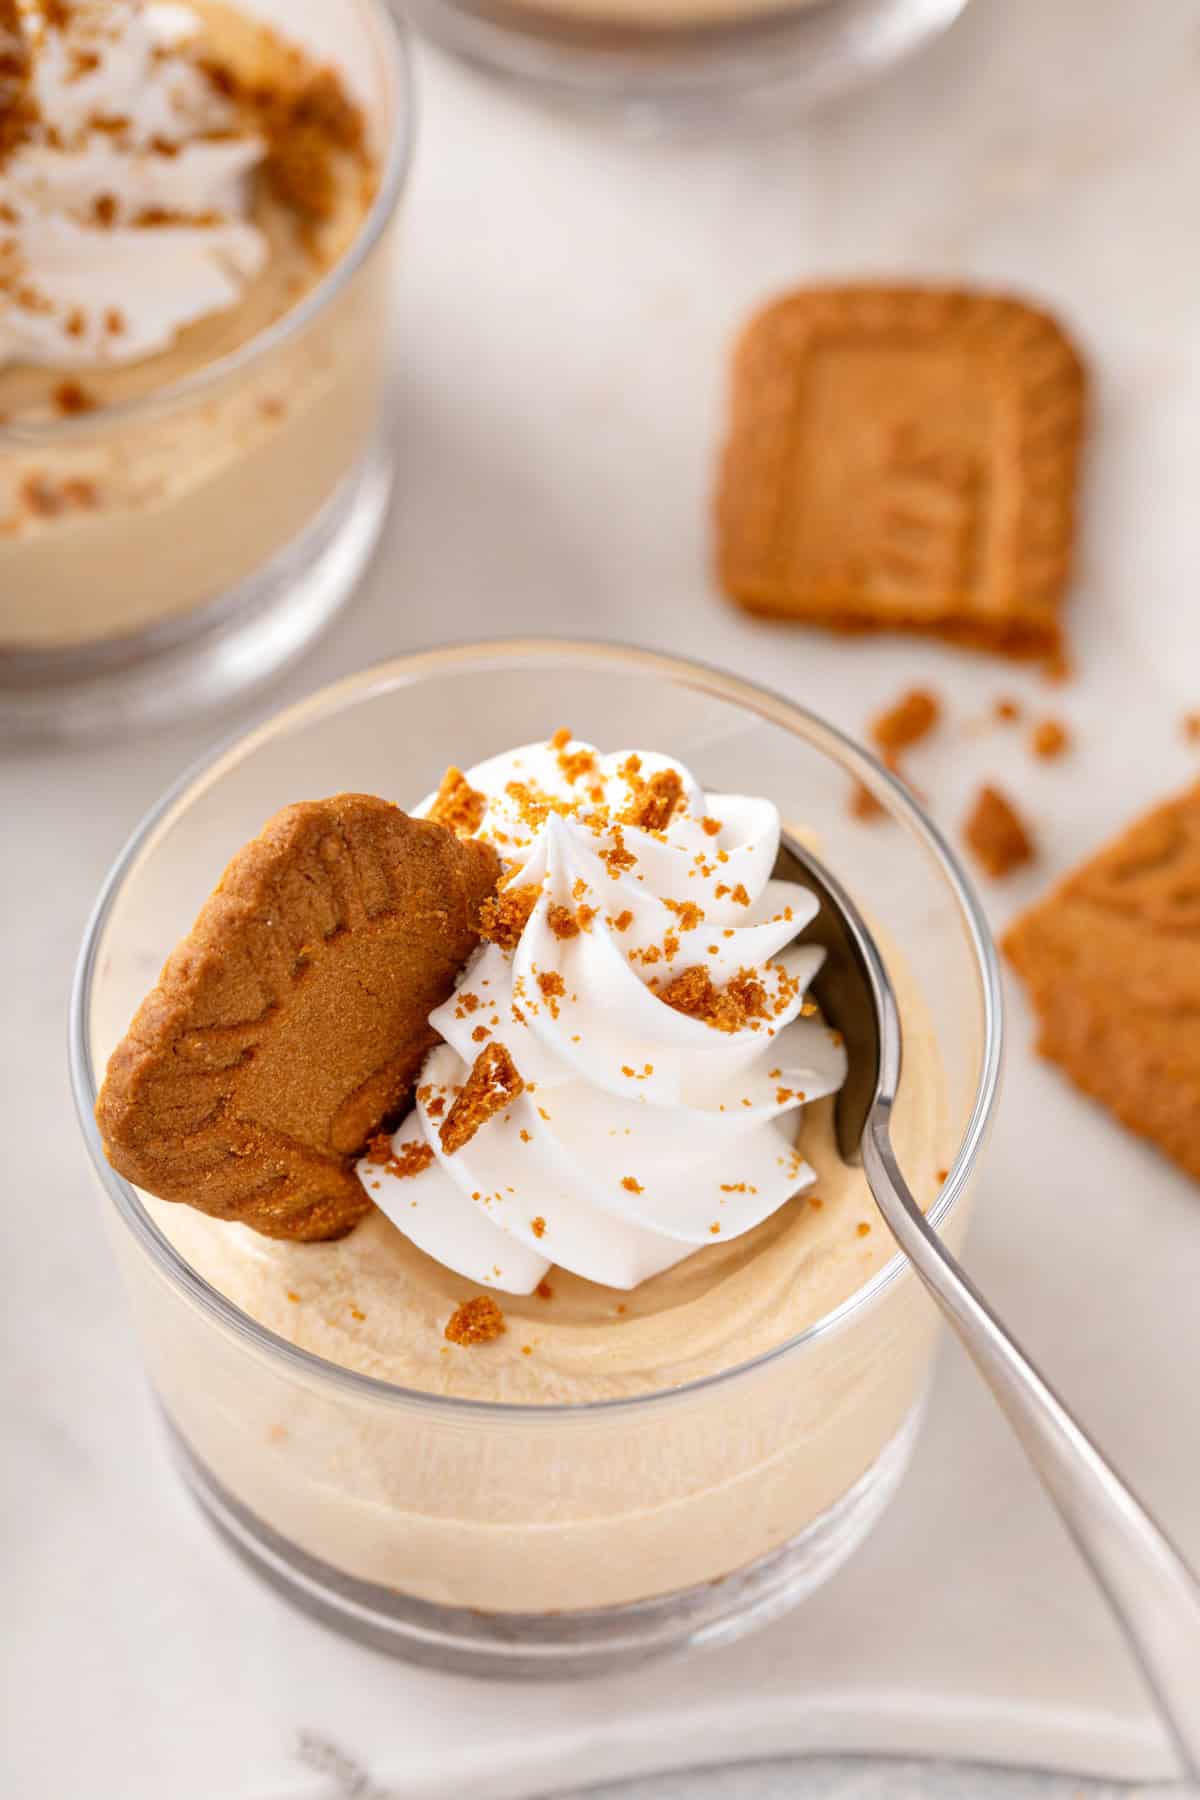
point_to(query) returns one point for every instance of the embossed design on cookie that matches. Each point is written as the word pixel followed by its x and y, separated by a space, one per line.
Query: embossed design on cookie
pixel 903 459
pixel 1111 959
pixel 291 1023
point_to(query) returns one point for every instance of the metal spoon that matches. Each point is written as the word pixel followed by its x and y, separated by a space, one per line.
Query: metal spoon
pixel 1151 1590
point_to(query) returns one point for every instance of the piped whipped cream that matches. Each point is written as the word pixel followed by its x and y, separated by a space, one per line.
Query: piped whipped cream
pixel 644 980
pixel 124 196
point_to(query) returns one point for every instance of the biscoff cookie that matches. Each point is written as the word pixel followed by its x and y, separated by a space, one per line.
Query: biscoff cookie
pixel 904 459
pixel 1111 960
pixel 292 1021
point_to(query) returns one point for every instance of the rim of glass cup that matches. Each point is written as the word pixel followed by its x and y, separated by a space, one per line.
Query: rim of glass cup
pixel 396 60
pixel 398 673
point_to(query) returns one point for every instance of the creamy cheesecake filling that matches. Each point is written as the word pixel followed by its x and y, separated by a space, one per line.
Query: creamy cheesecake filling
pixel 378 1303
pixel 125 200
pixel 122 522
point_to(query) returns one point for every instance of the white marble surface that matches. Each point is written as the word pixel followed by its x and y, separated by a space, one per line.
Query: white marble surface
pixel 563 311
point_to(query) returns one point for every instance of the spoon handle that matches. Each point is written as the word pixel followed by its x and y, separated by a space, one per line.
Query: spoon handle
pixel 1152 1591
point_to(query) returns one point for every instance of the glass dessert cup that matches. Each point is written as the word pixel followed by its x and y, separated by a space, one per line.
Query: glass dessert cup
pixel 501 1538
pixel 165 553
pixel 675 64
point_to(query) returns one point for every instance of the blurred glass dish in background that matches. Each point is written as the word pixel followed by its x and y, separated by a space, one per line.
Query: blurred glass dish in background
pixel 194 285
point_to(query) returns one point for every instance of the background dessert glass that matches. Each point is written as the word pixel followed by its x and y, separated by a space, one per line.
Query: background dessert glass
pixel 678 63
pixel 198 538
pixel 510 1539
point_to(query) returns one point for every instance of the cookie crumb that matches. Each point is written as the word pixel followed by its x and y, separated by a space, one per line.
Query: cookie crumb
pixel 1191 727
pixel 504 916
pixel 1007 711
pixel 71 398
pixel 409 1159
pixel 863 804
pixel 910 720
pixel 995 833
pixel 490 1088
pixel 458 805
pixel 538 1226
pixel 476 1321
pixel 544 1291
pixel 1050 739
pixel 654 801
pixel 742 1000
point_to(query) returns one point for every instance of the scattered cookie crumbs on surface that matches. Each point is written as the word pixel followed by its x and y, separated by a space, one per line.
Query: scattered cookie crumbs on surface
pixel 1191 727
pixel 741 1001
pixel 863 1229
pixel 476 1321
pixel 715 1228
pixel 526 1349
pixel 293 1296
pixel 458 805
pixel 357 1313
pixel 623 921
pixel 996 835
pixel 863 804
pixel 912 718
pixel 504 916
pixel 943 1176
pixel 632 1185
pixel 538 1226
pixel 816 1202
pixel 1050 738
pixel 490 1088
pixel 622 1308
pixel 544 1291
pixel 1007 711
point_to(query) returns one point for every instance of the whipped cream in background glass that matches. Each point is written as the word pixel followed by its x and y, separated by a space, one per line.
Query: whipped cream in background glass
pixel 655 1006
pixel 124 202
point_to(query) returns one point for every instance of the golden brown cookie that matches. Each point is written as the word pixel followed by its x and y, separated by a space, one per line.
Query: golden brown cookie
pixel 904 459
pixel 291 1022
pixel 1112 963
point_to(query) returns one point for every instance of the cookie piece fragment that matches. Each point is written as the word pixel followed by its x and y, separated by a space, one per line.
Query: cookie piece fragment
pixel 1111 960
pixel 994 831
pixel 477 1321
pixel 490 1088
pixel 904 459
pixel 907 722
pixel 291 1022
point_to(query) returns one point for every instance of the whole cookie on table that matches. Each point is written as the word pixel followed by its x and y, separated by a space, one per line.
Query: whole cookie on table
pixel 905 459
pixel 1111 959
pixel 253 1075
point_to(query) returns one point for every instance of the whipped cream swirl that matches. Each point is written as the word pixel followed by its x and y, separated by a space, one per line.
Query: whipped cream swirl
pixel 124 199
pixel 653 1002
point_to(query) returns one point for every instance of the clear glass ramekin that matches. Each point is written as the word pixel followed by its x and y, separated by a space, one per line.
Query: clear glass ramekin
pixel 189 544
pixel 655 65
pixel 508 1539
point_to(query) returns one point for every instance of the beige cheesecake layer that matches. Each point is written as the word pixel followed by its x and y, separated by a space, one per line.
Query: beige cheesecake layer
pixel 111 522
pixel 588 1508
